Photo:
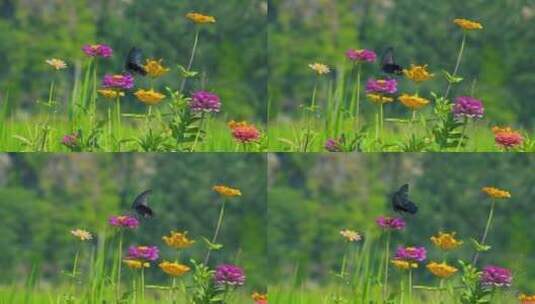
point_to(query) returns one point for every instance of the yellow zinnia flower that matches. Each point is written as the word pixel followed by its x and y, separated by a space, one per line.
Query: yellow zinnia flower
pixel 110 94
pixel 350 235
pixel 442 270
pixel 178 240
pixel 149 97
pixel 413 102
pixel 525 299
pixel 136 264
pixel 320 68
pixel 155 68
pixel 226 191
pixel 174 269
pixel 82 234
pixel 57 64
pixel 381 99
pixel 446 241
pixel 200 18
pixel 404 265
pixel 418 73
pixel 468 25
pixel 496 193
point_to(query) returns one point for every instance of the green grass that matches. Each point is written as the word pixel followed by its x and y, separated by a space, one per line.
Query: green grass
pixel 284 136
pixel 19 135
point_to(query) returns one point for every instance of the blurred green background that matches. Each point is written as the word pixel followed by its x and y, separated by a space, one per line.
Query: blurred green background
pixel 498 58
pixel 231 56
pixel 312 197
pixel 44 196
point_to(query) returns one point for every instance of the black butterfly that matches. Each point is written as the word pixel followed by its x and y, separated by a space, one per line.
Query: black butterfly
pixel 389 65
pixel 134 62
pixel 141 204
pixel 401 202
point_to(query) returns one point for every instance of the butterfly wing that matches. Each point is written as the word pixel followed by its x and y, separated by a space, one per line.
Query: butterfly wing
pixel 388 57
pixel 134 62
pixel 141 204
pixel 401 202
pixel 388 63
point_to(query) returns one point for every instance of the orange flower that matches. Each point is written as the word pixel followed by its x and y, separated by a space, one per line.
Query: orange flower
pixel 507 138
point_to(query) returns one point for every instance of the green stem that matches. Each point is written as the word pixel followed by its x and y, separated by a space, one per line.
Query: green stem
pixel 192 58
pixel 309 113
pixel 216 233
pixel 119 265
pixel 198 135
pixel 142 284
pixel 410 284
pixel 457 65
pixel 463 133
pixel 382 120
pixel 487 228
pixel 75 263
pixel 387 257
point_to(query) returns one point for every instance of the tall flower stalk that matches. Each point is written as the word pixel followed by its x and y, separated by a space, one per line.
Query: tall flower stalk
pixel 494 194
pixel 198 19
pixel 225 192
pixel 465 25
pixel 358 57
pixel 388 224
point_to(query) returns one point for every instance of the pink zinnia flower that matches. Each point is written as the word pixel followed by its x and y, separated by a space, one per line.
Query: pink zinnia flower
pixel 125 81
pixel 390 223
pixel 361 55
pixel 466 106
pixel 124 221
pixel 411 254
pixel 203 101
pixel 495 276
pixel 333 145
pixel 146 253
pixel 388 86
pixel 70 140
pixel 98 50
pixel 231 275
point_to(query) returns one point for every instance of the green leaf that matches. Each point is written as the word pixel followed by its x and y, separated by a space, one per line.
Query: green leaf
pixel 480 247
pixel 185 73
pixel 212 246
pixel 452 79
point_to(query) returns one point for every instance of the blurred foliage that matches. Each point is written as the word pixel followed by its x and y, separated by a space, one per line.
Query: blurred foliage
pixel 497 59
pixel 313 197
pixel 44 196
pixel 231 55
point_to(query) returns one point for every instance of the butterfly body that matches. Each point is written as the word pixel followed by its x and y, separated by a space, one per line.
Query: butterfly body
pixel 388 63
pixel 141 205
pixel 134 62
pixel 401 202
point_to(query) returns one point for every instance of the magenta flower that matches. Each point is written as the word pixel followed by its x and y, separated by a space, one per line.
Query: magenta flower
pixel 332 145
pixel 146 253
pixel 70 140
pixel 98 50
pixel 361 55
pixel 388 86
pixel 466 106
pixel 203 101
pixel 390 223
pixel 494 276
pixel 125 81
pixel 124 221
pixel 411 254
pixel 230 275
